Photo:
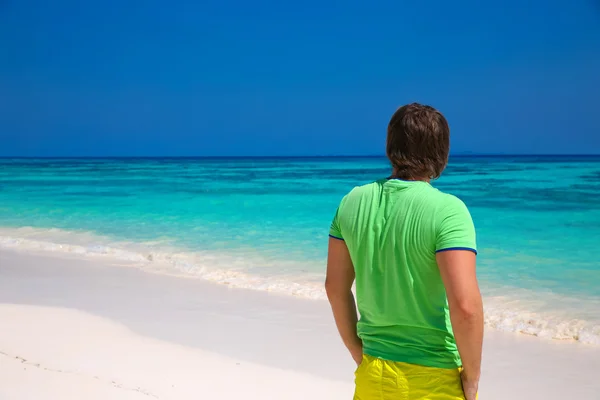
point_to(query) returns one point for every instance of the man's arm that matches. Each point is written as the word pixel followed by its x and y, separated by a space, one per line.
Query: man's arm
pixel 457 268
pixel 338 284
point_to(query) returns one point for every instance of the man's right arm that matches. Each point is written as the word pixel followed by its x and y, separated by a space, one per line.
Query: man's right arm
pixel 457 268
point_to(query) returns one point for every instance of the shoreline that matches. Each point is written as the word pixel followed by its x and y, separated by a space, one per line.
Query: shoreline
pixel 109 321
pixel 543 314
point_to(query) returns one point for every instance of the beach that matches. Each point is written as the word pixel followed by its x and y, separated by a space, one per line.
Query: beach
pixel 203 278
pixel 262 223
pixel 176 182
pixel 78 327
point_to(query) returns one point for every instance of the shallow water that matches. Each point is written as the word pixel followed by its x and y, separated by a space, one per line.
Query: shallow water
pixel 263 223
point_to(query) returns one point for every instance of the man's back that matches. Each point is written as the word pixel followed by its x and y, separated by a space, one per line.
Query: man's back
pixel 393 229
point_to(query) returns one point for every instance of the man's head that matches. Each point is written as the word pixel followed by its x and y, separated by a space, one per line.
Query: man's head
pixel 418 142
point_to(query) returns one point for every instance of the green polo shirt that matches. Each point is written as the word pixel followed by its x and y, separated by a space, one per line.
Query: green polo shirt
pixel 393 230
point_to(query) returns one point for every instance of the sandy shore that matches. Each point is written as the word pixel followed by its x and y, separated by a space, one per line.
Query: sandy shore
pixel 81 328
pixel 56 353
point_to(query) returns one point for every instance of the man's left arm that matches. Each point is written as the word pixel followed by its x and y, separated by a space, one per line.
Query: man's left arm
pixel 338 284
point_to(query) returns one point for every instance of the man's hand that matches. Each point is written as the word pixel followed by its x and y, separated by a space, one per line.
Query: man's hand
pixel 357 353
pixel 470 386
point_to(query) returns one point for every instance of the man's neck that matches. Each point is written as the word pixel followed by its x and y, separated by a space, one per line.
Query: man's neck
pixel 395 175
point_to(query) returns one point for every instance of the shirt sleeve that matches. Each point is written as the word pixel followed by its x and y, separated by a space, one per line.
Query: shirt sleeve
pixel 456 230
pixel 334 230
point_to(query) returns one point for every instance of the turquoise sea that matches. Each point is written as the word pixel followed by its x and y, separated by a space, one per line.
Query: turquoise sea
pixel 262 223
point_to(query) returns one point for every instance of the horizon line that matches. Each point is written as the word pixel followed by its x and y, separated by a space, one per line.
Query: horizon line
pixel 301 156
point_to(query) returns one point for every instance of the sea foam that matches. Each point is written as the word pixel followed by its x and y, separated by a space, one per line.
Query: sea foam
pixel 515 313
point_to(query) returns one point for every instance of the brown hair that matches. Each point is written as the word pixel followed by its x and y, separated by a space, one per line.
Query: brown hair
pixel 418 142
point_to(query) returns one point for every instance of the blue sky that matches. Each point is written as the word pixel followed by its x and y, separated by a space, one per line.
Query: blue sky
pixel 206 78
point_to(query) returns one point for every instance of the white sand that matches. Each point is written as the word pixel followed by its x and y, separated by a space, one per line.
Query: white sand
pixel 82 329
pixel 60 353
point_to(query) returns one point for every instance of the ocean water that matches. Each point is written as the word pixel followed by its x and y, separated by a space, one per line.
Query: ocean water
pixel 263 224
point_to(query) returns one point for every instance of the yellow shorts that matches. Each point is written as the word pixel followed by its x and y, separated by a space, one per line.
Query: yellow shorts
pixel 377 379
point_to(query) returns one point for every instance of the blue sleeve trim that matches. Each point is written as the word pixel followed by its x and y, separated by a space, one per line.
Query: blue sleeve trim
pixel 335 237
pixel 457 248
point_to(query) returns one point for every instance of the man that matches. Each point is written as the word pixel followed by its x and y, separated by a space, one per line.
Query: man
pixel 411 250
